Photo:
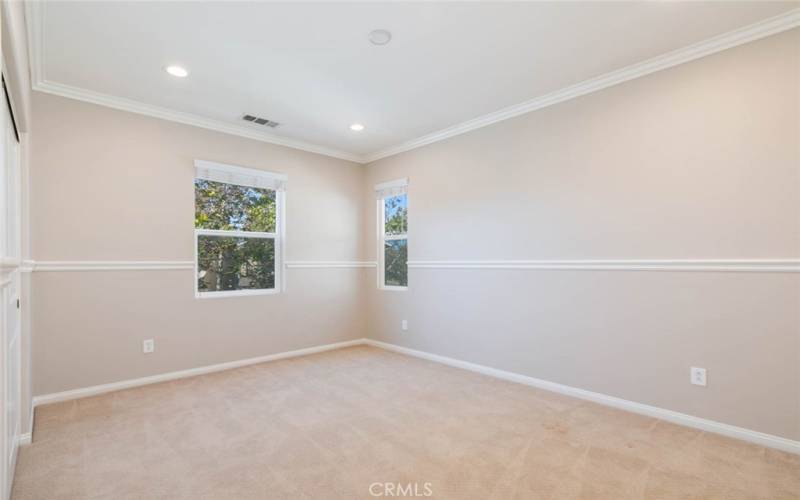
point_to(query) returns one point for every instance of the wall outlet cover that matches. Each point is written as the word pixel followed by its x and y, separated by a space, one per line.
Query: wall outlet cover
pixel 698 376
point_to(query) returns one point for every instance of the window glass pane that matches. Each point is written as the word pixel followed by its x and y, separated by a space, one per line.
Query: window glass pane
pixel 232 263
pixel 396 214
pixel 218 205
pixel 395 268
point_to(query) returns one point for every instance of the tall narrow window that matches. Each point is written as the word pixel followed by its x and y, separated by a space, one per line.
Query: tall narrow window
pixel 393 234
pixel 238 220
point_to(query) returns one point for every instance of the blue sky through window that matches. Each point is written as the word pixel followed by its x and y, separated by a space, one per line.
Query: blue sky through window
pixel 395 204
pixel 396 214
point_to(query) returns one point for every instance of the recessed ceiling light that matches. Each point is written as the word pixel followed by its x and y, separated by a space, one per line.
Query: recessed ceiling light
pixel 178 71
pixel 380 37
pixel 356 127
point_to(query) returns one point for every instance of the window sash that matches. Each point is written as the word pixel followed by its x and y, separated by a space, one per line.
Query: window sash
pixel 232 233
pixel 279 236
pixel 382 236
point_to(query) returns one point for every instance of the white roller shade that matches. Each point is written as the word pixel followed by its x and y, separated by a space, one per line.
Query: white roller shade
pixel 391 188
pixel 241 176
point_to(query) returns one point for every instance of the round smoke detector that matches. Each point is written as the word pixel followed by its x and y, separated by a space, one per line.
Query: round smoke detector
pixel 380 37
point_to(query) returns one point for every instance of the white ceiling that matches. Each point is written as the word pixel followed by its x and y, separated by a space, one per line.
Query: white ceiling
pixel 311 68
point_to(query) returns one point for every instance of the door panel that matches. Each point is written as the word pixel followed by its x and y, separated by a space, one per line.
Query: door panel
pixel 13 365
pixel 10 330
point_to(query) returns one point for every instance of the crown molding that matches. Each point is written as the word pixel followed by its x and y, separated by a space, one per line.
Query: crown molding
pixel 761 29
pixel 37 42
pixel 35 12
pixel 34 21
pixel 184 118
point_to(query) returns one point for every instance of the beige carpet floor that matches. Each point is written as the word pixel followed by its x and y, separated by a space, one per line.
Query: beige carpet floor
pixel 332 425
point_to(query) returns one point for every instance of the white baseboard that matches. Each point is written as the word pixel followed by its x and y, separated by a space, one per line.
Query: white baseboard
pixel 163 377
pixel 752 436
pixel 27 437
pixel 675 417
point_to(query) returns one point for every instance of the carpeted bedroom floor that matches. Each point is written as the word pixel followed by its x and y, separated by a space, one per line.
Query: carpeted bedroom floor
pixel 361 422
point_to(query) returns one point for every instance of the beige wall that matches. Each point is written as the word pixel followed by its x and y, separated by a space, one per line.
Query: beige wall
pixel 112 185
pixel 701 161
pixel 696 162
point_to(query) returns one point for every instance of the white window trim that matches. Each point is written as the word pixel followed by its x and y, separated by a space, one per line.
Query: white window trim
pixel 241 176
pixel 381 232
pixel 279 235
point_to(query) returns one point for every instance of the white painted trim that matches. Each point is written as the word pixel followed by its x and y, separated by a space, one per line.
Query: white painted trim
pixel 329 264
pixel 380 231
pixel 240 176
pixel 132 106
pixel 237 170
pixel 111 265
pixel 756 437
pixel 278 246
pixel 381 243
pixel 281 248
pixel 222 294
pixel 34 15
pixel 392 184
pixel 232 233
pixel 150 265
pixel 27 437
pixel 164 377
pixel 698 265
pixel 9 263
pixel 36 48
pixel 762 29
pixel 675 417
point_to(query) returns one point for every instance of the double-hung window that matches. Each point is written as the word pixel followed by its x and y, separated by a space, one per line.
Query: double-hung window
pixel 238 233
pixel 392 234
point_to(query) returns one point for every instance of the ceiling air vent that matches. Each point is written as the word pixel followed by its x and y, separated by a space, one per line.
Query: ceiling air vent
pixel 260 121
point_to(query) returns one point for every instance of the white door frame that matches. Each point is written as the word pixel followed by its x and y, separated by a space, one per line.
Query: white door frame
pixel 10 283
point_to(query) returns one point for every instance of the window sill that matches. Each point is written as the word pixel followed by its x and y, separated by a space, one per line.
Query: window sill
pixel 394 288
pixel 235 293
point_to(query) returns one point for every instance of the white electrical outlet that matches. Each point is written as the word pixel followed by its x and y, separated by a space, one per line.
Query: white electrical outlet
pixel 148 346
pixel 698 376
pixel 404 324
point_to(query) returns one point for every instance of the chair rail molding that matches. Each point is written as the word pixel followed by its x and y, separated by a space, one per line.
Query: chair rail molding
pixel 685 265
pixel 163 265
pixel 697 265
pixel 109 265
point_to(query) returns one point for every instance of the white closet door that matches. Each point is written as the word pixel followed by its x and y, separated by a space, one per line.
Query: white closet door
pixel 10 331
